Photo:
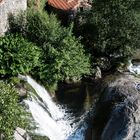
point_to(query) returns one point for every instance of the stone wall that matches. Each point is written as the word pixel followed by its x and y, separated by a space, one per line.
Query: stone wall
pixel 9 7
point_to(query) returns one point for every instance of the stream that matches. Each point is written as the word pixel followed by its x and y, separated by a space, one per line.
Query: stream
pixel 67 116
pixel 56 120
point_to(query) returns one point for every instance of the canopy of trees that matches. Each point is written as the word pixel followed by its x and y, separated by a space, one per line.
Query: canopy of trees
pixel 62 55
pixel 110 29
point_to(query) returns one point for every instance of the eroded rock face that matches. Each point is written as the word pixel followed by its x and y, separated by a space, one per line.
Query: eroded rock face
pixel 8 7
pixel 117 113
pixel 21 134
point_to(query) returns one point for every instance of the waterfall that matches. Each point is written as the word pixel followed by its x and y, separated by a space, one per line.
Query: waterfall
pixel 51 120
pixel 135 69
pixel 46 98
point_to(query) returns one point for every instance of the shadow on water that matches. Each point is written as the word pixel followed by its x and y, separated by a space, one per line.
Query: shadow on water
pixel 79 98
pixel 69 117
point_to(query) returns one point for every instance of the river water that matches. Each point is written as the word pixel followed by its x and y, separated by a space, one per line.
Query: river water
pixel 68 116
pixel 62 119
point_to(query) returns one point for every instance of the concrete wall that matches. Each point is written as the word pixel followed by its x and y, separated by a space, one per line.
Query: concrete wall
pixel 7 7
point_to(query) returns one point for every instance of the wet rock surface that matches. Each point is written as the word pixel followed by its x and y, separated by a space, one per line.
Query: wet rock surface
pixel 117 113
pixel 21 134
pixel 8 7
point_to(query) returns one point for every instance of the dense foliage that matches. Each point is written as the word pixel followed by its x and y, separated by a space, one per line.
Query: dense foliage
pixel 37 4
pixel 11 113
pixel 17 55
pixel 110 29
pixel 62 56
pixel 37 44
pixel 117 27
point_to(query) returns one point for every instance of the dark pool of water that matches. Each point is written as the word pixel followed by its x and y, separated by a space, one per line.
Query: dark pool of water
pixel 78 103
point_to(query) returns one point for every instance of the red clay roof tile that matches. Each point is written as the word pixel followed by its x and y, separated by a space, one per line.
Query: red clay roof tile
pixel 64 4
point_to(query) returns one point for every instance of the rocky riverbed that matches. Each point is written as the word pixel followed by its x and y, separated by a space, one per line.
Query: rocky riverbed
pixel 116 109
pixel 117 113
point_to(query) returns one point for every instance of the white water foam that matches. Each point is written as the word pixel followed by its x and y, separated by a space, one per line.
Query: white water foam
pixel 51 120
pixel 46 98
pixel 135 69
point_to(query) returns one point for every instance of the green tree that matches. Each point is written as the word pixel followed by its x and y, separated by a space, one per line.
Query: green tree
pixel 62 57
pixel 117 27
pixel 66 62
pixel 11 112
pixel 112 29
pixel 17 55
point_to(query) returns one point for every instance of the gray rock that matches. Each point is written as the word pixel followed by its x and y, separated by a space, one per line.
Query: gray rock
pixel 98 73
pixel 9 7
pixel 117 113
pixel 21 134
pixel 22 92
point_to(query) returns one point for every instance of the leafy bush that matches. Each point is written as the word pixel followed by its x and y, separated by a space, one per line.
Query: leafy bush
pixel 17 55
pixel 38 4
pixel 38 27
pixel 11 113
pixel 62 57
pixel 17 24
pixel 67 61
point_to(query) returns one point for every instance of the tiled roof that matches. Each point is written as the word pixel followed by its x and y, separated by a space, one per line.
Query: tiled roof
pixel 64 4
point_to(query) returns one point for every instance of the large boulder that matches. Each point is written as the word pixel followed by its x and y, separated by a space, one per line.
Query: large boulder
pixel 21 134
pixel 117 113
pixel 8 7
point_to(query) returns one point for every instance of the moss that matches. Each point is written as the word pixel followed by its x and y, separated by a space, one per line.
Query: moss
pixel 36 137
pixel 14 80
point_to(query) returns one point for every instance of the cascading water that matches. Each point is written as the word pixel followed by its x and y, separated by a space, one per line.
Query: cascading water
pixel 46 98
pixel 135 69
pixel 51 120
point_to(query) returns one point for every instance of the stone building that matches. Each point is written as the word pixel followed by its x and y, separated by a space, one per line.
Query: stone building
pixel 8 7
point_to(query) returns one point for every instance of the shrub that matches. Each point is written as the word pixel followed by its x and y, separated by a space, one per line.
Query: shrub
pixel 43 28
pixel 66 61
pixel 37 4
pixel 17 55
pixel 11 113
pixel 62 56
